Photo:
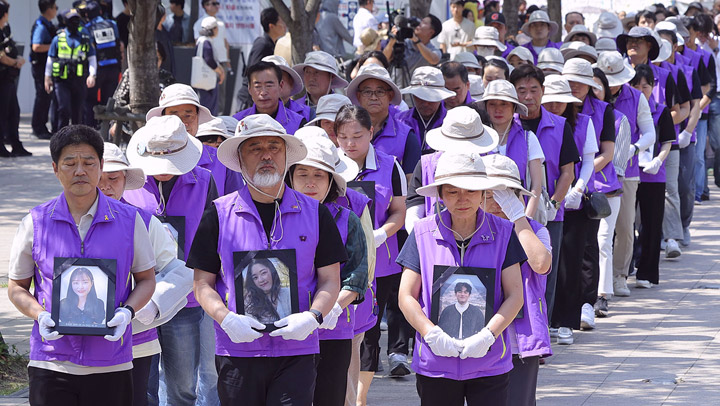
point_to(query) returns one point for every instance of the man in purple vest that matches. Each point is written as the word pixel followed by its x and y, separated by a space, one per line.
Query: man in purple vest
pixel 319 72
pixel 292 85
pixel 258 367
pixel 456 80
pixel 266 85
pixel 540 28
pixel 80 223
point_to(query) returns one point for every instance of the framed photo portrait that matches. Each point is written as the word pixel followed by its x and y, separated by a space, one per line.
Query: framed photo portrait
pixel 462 299
pixel 266 286
pixel 175 225
pixel 83 299
pixel 367 188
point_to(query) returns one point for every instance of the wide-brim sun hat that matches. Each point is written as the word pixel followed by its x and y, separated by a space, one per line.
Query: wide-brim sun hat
pixel 608 25
pixel 540 16
pixel 488 36
pixel 477 87
pixel 164 147
pixel 505 171
pixel 523 53
pixel 578 49
pixel 462 170
pixel 322 61
pixel 372 71
pixel 665 51
pixel 462 130
pixel 580 29
pixel 178 94
pixel 230 125
pixel 605 45
pixel 328 107
pixel 468 60
pixel 557 90
pixel 643 33
pixel 580 70
pixel 551 58
pixel 114 161
pixel 501 89
pixel 259 125
pixel 427 83
pixel 323 154
pixel 616 69
pixel 283 65
pixel 216 127
pixel 679 25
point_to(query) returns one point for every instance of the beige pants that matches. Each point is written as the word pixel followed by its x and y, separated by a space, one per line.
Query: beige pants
pixel 354 371
pixel 625 229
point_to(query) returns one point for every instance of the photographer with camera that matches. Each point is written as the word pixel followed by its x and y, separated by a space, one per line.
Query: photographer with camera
pixel 415 38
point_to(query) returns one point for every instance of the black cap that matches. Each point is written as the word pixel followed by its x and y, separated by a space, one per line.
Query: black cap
pixel 696 5
pixel 495 18
pixel 460 2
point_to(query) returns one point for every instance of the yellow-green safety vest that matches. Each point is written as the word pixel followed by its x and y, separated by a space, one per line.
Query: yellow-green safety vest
pixel 72 57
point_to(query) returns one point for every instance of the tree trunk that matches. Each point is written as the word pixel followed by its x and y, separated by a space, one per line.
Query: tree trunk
pixel 142 57
pixel 510 11
pixel 300 22
pixel 420 8
pixel 555 14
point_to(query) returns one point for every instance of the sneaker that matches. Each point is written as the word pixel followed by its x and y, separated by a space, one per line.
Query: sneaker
pixel 553 332
pixel 698 203
pixel 565 336
pixel 383 325
pixel 663 245
pixel 686 237
pixel 672 249
pixel 643 284
pixel 620 287
pixel 587 317
pixel 601 307
pixel 704 197
pixel 398 364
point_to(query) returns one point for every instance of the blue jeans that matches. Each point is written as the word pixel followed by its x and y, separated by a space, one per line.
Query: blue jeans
pixel 207 394
pixel 713 136
pixel 700 170
pixel 686 184
pixel 180 343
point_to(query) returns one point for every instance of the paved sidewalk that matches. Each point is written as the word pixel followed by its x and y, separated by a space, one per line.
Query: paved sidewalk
pixel 658 347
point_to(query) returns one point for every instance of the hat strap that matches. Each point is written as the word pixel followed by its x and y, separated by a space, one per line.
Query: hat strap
pixel 426 85
pixel 458 174
pixel 615 73
pixel 463 137
pixel 499 175
pixel 323 163
pixel 167 151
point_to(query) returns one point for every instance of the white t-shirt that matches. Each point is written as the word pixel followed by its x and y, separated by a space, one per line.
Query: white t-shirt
pixel 218 42
pixel 453 32
pixel 363 19
pixel 534 149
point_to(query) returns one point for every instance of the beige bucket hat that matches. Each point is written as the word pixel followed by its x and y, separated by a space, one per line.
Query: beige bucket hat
pixel 115 160
pixel 468 60
pixel 608 25
pixel 428 83
pixel 462 170
pixel 216 126
pixel 462 130
pixel 176 95
pixel 557 89
pixel 230 125
pixel 580 29
pixel 540 16
pixel 522 53
pixel 322 61
pixel 372 72
pixel 605 45
pixel 617 71
pixel 577 49
pixel 503 90
pixel 488 36
pixel 164 147
pixel 581 71
pixel 323 154
pixel 283 65
pixel 551 58
pixel 477 88
pixel 328 107
pixel 505 171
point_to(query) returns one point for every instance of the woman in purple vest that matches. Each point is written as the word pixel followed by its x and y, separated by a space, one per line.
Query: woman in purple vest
pixel 327 109
pixel 474 369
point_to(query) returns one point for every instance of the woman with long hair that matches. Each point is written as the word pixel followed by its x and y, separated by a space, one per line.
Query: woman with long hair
pixel 81 306
pixel 265 299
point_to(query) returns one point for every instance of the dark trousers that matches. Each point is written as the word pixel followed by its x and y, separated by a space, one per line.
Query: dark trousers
pixel 209 99
pixel 140 378
pixel 651 217
pixel 490 390
pixel 51 388
pixel 41 107
pixel 70 97
pixel 523 381
pixel 332 369
pixel 9 113
pixel 555 229
pixel 106 82
pixel 591 265
pixel 686 184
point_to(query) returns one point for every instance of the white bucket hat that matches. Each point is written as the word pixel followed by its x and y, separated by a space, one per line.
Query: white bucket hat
pixel 669 26
pixel 230 125
pixel 372 72
pixel 605 45
pixel 522 53
pixel 679 26
pixel 608 25
pixel 322 61
pixel 283 65
pixel 428 83
pixel 175 95
pixel 323 154
pixel 209 23
pixel 328 107
pixel 477 88
pixel 557 89
pixel 581 71
pixel 164 147
pixel 462 170
pixel 540 16
pixel 578 49
pixel 259 125
pixel 216 126
pixel 505 171
pixel 503 90
pixel 580 29
pixel 115 160
pixel 462 130
pixel 551 58
pixel 665 50
pixel 468 59
pixel 617 71
pixel 488 36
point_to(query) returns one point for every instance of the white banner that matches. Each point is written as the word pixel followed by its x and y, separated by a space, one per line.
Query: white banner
pixel 241 18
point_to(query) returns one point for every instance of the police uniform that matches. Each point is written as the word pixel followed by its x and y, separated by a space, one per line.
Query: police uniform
pixel 41 33
pixel 105 38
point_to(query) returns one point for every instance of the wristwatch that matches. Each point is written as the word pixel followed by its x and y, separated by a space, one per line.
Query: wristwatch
pixel 318 315
pixel 555 204
pixel 132 311
pixel 417 42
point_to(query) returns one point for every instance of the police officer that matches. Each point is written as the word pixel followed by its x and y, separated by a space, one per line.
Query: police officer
pixel 71 68
pixel 105 38
pixel 41 33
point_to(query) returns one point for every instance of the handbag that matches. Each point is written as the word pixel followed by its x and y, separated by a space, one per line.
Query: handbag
pixel 202 76
pixel 597 206
pixel 545 211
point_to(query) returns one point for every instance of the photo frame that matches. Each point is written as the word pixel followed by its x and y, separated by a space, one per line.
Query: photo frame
pixel 83 298
pixel 176 226
pixel 266 285
pixel 463 299
pixel 367 188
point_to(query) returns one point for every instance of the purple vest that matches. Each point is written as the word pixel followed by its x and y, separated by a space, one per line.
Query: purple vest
pixel 410 118
pixel 688 70
pixel 290 120
pixel 627 103
pixel 696 57
pixel 606 179
pixel 656 110
pixel 355 201
pixel 517 147
pixel 393 138
pixel 301 109
pixel 428 164
pixel 674 72
pixel 209 161
pixel 436 246
pixel 507 50
pixel 550 135
pixel 661 75
pixel 531 331
pixel 550 44
pixel 242 230
pixel 111 236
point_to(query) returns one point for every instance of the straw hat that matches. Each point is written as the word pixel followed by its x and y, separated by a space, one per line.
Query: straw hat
pixel 164 147
pixel 216 126
pixel 477 88
pixel 665 51
pixel 283 65
pixel 639 32
pixel 617 71
pixel 462 170
pixel 115 160
pixel 372 72
pixel 551 58
pixel 230 125
pixel 328 107
pixel 522 53
pixel 580 29
pixel 462 130
pixel 259 125
pixel 505 171
pixel 176 95
pixel 578 49
pixel 468 60
pixel 608 25
pixel 581 71
pixel 503 90
pixel 323 154
pixel 557 89
pixel 428 84
pixel 488 36
pixel 605 44
pixel 322 61
pixel 540 16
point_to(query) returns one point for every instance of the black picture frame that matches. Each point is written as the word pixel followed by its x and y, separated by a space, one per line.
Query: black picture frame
pixel 285 266
pixel 482 297
pixel 178 231
pixel 367 188
pixel 63 271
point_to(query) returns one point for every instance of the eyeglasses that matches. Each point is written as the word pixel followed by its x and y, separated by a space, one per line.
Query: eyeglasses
pixel 215 3
pixel 367 93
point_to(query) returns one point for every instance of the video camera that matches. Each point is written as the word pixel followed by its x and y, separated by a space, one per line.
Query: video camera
pixel 406 26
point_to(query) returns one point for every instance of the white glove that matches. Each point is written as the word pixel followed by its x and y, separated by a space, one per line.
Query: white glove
pixel 331 320
pixel 241 328
pixel 572 199
pixel 45 324
pixel 441 344
pixel 296 326
pixel 120 321
pixel 380 237
pixel 633 149
pixel 684 139
pixel 147 314
pixel 477 345
pixel 509 203
pixel 653 167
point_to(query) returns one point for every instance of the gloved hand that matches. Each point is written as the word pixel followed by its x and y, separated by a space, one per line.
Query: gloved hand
pixel 441 344
pixel 45 324
pixel 653 167
pixel 633 149
pixel 509 203
pixel 380 237
pixel 684 139
pixel 331 320
pixel 147 314
pixel 296 326
pixel 241 328
pixel 573 199
pixel 477 345
pixel 120 321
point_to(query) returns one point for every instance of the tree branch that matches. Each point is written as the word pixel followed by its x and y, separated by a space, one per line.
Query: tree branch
pixel 312 7
pixel 282 10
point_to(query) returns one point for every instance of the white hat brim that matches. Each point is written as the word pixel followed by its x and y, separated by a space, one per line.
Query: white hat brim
pixel 620 78
pixel 509 184
pixel 593 37
pixel 551 65
pixel 576 53
pixel 176 164
pixel 559 98
pixel 297 79
pixel 467 182
pixel 553 27
pixel 581 79
pixel 437 140
pixel 612 33
pixel 228 154
pixel 204 114
pixel 663 54
pixel 352 88
pixel 490 43
pixel 337 81
pixel 134 177
pixel 323 116
pixel 431 94
pixel 523 108
pixel 345 171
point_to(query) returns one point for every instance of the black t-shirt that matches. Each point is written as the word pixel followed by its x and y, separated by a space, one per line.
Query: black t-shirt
pixel 665 129
pixel 396 180
pixel 413 198
pixel 696 92
pixel 672 95
pixel 568 150
pixel 703 73
pixel 167 187
pixel 683 91
pixel 608 130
